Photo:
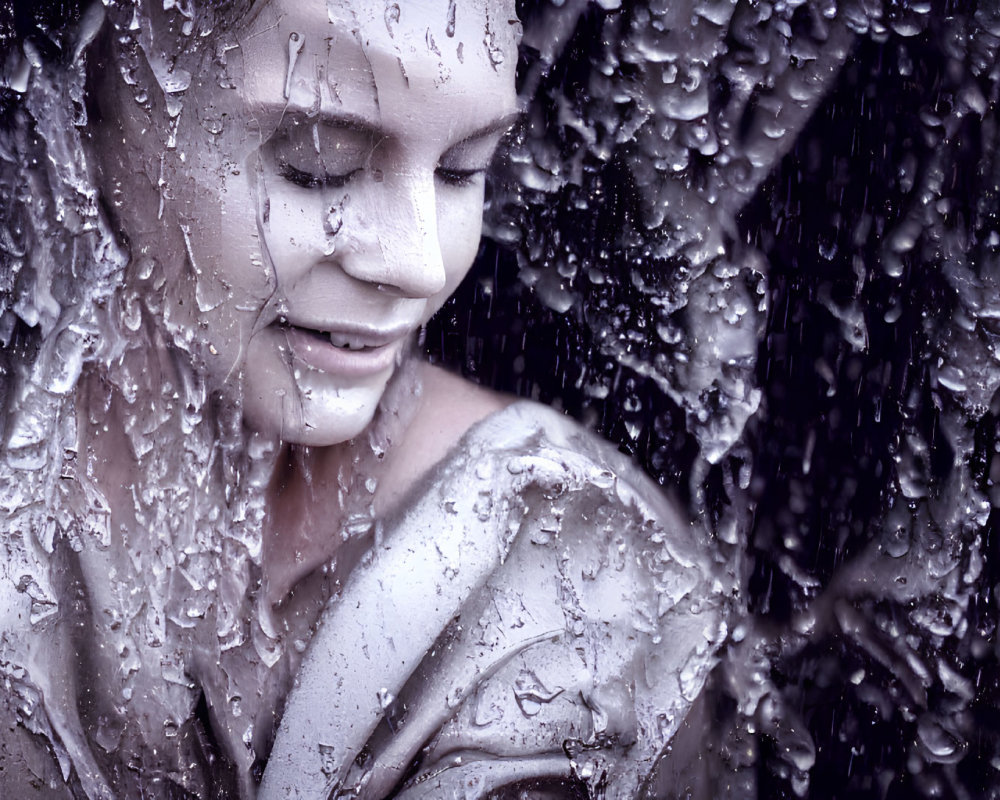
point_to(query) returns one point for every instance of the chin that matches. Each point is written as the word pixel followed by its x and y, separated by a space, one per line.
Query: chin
pixel 318 419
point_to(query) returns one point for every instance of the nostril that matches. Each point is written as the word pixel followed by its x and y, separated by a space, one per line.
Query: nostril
pixel 401 289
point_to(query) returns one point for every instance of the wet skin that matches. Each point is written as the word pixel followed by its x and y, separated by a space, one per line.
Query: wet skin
pixel 309 218
pixel 323 208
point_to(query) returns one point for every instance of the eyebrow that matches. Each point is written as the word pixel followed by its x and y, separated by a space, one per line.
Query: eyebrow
pixel 363 125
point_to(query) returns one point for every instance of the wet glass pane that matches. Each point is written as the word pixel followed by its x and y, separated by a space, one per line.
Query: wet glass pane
pixel 495 399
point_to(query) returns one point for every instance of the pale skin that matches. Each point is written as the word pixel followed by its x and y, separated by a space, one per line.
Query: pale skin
pixel 448 407
pixel 386 126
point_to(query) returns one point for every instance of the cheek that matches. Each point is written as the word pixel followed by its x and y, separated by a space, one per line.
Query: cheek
pixel 222 221
pixel 460 227
pixel 304 226
pixel 219 281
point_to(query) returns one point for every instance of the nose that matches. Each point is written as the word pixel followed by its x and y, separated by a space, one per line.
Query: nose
pixel 401 250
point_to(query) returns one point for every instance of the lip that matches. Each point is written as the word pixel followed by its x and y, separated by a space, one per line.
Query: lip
pixel 313 347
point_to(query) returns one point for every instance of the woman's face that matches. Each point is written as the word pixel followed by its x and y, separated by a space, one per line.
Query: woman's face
pixel 318 195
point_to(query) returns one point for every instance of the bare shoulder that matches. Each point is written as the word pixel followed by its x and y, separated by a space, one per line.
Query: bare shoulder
pixel 453 403
pixel 449 406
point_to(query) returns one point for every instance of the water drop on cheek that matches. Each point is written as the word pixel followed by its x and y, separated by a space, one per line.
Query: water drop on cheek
pixel 450 30
pixel 333 221
pixel 392 14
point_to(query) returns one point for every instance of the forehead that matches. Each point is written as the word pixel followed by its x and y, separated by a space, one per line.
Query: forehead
pixel 376 58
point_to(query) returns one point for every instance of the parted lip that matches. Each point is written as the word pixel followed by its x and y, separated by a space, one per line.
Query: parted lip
pixel 353 334
pixel 349 351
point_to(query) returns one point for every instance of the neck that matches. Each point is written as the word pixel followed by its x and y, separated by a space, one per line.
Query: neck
pixel 323 497
pixel 307 510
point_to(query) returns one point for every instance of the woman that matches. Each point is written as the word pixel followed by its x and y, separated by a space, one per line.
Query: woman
pixel 258 546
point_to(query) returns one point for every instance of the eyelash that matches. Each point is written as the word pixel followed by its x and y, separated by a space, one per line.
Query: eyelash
pixel 458 177
pixel 306 180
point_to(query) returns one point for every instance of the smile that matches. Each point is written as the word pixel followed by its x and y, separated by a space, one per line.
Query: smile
pixel 345 352
pixel 345 342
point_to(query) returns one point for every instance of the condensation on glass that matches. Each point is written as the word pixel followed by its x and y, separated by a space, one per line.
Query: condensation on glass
pixel 751 245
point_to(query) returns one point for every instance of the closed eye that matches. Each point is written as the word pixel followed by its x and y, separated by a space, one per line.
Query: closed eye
pixel 458 177
pixel 308 180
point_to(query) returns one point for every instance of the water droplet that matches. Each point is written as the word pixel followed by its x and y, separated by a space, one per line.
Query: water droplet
pixel 296 42
pixel 531 694
pixel 328 759
pixel 385 698
pixel 450 29
pixel 391 16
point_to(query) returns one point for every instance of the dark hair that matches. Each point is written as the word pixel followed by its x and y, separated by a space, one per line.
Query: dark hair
pixel 27 19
